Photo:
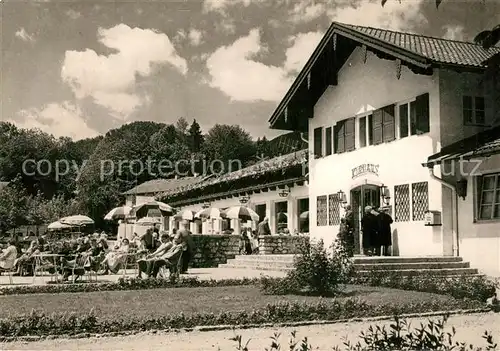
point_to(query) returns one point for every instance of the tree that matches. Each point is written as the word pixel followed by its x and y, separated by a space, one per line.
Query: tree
pixel 182 125
pixel 227 145
pixel 13 205
pixel 195 137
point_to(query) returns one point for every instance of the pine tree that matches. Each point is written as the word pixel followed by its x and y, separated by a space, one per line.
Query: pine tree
pixel 195 137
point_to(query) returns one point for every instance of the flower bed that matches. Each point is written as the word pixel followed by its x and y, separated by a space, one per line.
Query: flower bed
pixel 39 323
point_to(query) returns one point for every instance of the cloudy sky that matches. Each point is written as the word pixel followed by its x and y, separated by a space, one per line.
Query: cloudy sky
pixel 80 68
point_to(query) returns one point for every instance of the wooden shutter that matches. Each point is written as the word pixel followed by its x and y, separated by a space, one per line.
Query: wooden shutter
pixel 350 134
pixel 403 120
pixel 388 125
pixel 328 141
pixel 339 137
pixel 422 114
pixel 377 127
pixel 370 130
pixel 318 142
pixel 362 132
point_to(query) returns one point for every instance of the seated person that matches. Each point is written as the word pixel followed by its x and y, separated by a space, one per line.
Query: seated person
pixel 115 259
pixel 146 264
pixel 24 264
pixel 95 255
pixel 8 256
pixel 103 242
pixel 171 257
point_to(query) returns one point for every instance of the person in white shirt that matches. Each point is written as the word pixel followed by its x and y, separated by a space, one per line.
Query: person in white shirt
pixel 8 257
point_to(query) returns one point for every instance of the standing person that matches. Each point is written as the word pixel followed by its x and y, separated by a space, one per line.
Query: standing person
pixel 349 223
pixel 148 239
pixel 369 227
pixel 385 232
pixel 185 234
pixel 263 227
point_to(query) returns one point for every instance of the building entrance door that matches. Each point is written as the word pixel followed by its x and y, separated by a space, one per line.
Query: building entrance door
pixel 362 196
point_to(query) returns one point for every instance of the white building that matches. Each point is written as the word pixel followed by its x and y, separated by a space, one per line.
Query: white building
pixel 376 104
pixel 274 188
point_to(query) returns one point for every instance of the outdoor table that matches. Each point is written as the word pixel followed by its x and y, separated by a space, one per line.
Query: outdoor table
pixel 39 263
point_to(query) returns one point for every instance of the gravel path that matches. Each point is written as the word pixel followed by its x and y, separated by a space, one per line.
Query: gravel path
pixel 470 329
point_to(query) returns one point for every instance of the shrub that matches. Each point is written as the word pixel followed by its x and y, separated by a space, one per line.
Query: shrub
pixel 430 336
pixel 315 272
pixel 38 323
pixel 477 288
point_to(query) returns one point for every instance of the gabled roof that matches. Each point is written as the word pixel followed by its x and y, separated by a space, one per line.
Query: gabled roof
pixel 438 50
pixel 265 166
pixel 420 53
pixel 483 144
pixel 160 185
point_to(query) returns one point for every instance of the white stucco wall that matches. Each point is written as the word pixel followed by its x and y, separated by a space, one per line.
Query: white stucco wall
pixel 479 240
pixel 368 86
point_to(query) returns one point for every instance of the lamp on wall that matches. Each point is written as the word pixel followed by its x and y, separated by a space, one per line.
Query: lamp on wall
pixel 386 194
pixel 342 198
pixel 244 200
pixel 284 192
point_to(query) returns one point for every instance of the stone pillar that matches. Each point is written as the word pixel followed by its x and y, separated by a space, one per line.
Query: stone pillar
pixel 293 217
pixel 192 228
pixel 205 227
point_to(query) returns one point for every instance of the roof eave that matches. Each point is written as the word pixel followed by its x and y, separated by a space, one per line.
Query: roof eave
pixel 335 28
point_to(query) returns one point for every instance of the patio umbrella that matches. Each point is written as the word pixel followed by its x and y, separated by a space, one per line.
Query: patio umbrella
pixel 185 214
pixel 57 226
pixel 304 215
pixel 77 221
pixel 210 213
pixel 243 213
pixel 148 221
pixel 143 209
pixel 118 213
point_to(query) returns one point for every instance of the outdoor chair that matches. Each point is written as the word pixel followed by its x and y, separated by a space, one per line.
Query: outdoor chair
pixel 79 268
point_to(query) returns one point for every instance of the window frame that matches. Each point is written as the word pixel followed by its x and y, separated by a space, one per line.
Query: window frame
pixel 368 134
pixel 479 192
pixel 474 122
pixel 408 118
pixel 318 153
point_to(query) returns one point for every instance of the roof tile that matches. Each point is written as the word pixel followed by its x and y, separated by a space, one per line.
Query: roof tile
pixel 436 49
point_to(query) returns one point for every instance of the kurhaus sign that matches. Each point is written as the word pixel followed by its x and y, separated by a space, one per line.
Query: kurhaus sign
pixel 363 169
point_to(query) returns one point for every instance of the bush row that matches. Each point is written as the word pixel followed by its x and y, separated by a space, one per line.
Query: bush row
pixel 37 323
pixel 125 284
pixel 477 288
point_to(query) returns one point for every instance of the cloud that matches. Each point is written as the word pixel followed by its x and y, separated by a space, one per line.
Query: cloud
pixel 234 70
pixel 395 15
pixel 302 48
pixel 24 35
pixel 221 5
pixel 306 11
pixel 110 80
pixel 453 32
pixel 73 14
pixel 59 119
pixel 195 36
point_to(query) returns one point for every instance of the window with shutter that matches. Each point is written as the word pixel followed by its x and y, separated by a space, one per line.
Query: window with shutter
pixel 328 141
pixel 370 130
pixel 339 137
pixel 377 127
pixel 422 123
pixel 318 142
pixel 388 124
pixel 403 120
pixel 362 132
pixel 473 110
pixel 350 134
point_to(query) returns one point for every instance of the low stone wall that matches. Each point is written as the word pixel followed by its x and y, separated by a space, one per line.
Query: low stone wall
pixel 280 244
pixel 212 250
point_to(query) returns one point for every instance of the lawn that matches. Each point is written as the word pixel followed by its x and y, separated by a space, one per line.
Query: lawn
pixel 111 305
